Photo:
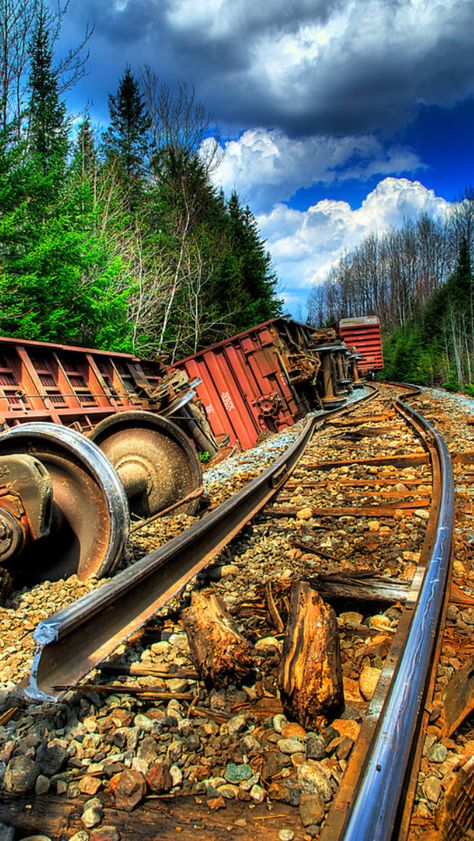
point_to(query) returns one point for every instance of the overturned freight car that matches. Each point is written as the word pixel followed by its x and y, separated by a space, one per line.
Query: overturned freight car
pixel 363 334
pixel 268 377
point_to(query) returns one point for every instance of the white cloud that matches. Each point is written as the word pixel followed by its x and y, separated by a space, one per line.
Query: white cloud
pixel 266 166
pixel 305 244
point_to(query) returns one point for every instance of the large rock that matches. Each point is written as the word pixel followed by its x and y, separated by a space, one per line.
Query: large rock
pixel 368 680
pixel 20 775
pixel 93 813
pixel 313 781
pixel 130 790
pixel 159 778
pixel 311 809
pixel 53 760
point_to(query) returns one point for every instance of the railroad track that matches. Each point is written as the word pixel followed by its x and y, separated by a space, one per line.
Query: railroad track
pixel 367 504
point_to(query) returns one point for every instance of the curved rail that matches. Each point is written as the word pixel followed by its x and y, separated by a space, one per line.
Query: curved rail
pixel 77 638
pixel 375 808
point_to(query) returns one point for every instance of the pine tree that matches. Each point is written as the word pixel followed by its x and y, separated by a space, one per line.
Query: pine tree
pixel 47 128
pixel 85 153
pixel 127 137
pixel 256 285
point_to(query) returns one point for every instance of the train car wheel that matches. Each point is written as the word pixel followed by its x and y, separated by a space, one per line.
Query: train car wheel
pixel 90 518
pixel 155 460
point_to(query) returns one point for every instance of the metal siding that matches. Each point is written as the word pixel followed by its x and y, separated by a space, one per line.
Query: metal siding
pixel 364 334
pixel 238 371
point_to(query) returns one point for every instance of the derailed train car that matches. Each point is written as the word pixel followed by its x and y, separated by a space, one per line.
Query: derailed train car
pixel 268 377
pixel 364 335
pixel 264 378
pixel 66 498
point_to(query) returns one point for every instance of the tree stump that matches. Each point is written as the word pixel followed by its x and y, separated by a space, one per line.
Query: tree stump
pixel 218 650
pixel 310 677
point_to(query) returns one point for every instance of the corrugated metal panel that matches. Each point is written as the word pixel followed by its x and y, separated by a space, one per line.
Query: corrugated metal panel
pixel 364 334
pixel 245 388
pixel 70 385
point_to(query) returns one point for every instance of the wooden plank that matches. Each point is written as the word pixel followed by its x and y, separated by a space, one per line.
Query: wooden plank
pixel 155 693
pixel 373 493
pixel 463 457
pixel 408 460
pixel 383 590
pixel 358 421
pixel 349 511
pixel 139 670
pixel 165 818
pixel 359 483
pixel 459 698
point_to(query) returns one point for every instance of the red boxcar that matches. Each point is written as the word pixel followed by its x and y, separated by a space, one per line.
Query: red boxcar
pixel 235 375
pixel 364 334
pixel 265 378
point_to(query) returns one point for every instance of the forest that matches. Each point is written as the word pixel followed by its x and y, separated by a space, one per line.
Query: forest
pixel 116 240
pixel 418 280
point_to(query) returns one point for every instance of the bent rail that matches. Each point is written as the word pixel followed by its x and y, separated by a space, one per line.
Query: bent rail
pixel 77 638
pixel 372 814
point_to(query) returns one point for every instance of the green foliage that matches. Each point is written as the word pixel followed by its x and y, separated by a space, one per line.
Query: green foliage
pixel 247 275
pixel 111 247
pixel 47 114
pixel 451 385
pixel 438 348
pixel 126 139
pixel 63 291
pixel 57 278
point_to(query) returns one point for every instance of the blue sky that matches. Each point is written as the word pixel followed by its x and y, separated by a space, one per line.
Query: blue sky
pixel 338 117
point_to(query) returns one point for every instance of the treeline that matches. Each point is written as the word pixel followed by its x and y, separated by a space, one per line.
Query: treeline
pixel 118 241
pixel 418 280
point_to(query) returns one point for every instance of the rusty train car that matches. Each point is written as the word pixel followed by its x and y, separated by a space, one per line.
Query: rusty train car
pixel 268 377
pixel 264 378
pixel 66 498
pixel 364 334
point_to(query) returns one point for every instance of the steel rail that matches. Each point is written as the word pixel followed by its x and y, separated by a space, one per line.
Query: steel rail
pixel 375 808
pixel 79 637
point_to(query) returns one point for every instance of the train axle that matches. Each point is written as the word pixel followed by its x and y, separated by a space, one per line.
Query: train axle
pixel 65 499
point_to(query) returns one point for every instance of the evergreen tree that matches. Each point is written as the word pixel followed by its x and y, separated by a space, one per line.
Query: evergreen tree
pixel 127 137
pixel 47 128
pixel 248 268
pixel 85 154
pixel 59 280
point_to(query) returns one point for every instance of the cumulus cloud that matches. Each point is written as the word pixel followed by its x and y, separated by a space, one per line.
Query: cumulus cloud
pixel 267 166
pixel 306 67
pixel 305 244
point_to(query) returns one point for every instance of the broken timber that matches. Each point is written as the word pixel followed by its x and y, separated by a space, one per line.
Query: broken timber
pixel 219 652
pixel 383 590
pixel 459 698
pixel 310 677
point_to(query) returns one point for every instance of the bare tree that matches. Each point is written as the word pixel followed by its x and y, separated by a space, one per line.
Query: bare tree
pixel 18 20
pixel 178 119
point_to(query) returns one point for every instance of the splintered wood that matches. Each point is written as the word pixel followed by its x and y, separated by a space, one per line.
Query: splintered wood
pixel 220 653
pixel 455 818
pixel 310 677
